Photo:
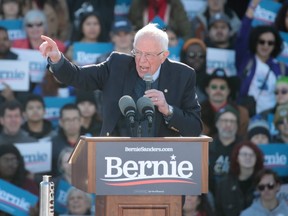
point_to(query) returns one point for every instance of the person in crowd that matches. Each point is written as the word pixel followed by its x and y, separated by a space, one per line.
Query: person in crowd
pixel 121 36
pixel 68 134
pixel 36 125
pixel 35 22
pixel 56 11
pixel 201 22
pixel 51 87
pixel 268 185
pixel 281 124
pixel 256 50
pixel 197 205
pixel 193 53
pixel 220 90
pixel 5 46
pixel 11 9
pixel 177 112
pixel 90 119
pixel 227 120
pixel 88 31
pixel 64 167
pixel 105 8
pixel 11 117
pixel 258 131
pixel 281 22
pixel 219 33
pixel 78 202
pixel 12 170
pixel 172 13
pixel 235 191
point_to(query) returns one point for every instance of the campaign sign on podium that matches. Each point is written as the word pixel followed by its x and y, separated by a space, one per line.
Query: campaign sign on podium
pixel 148 168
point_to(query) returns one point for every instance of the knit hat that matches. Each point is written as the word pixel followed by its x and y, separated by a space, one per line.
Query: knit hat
pixel 9 148
pixel 194 41
pixel 82 96
pixel 219 17
pixel 227 108
pixel 280 114
pixel 258 126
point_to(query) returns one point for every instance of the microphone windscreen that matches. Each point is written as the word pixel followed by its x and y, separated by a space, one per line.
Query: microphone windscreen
pixel 144 104
pixel 125 102
pixel 148 77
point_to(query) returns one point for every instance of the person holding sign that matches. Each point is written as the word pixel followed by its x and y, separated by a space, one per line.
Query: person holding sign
pixel 172 90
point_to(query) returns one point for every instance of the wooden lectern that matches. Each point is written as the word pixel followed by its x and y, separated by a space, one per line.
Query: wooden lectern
pixel 83 161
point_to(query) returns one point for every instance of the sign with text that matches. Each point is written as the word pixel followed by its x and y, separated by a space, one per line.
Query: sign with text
pixel 53 106
pixel 14 28
pixel 37 63
pixel 37 156
pixel 148 168
pixel 221 58
pixel 266 12
pixel 276 157
pixel 194 7
pixel 87 53
pixel 14 200
pixel 15 74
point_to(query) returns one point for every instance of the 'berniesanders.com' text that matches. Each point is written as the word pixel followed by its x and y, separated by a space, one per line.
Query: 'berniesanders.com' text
pixel 145 149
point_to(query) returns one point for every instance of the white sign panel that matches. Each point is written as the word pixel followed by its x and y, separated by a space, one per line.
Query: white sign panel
pixel 15 74
pixel 37 156
pixel 37 63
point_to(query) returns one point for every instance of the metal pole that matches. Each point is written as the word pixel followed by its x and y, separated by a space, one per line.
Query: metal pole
pixel 46 197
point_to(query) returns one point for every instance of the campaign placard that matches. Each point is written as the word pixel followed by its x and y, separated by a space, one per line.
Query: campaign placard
pixel 37 156
pixel 37 63
pixel 283 56
pixel 15 28
pixel 276 157
pixel 15 200
pixel 266 12
pixel 87 53
pixel 175 51
pixel 221 58
pixel 53 106
pixel 194 7
pixel 15 74
pixel 148 168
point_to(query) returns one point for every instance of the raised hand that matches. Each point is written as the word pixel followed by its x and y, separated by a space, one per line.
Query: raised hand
pixel 50 49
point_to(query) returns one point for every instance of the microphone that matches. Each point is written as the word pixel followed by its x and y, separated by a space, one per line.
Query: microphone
pixel 146 108
pixel 128 109
pixel 148 80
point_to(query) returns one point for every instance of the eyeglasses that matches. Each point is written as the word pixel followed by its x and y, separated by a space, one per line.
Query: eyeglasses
pixel 281 91
pixel 269 186
pixel 196 55
pixel 268 42
pixel 149 56
pixel 215 87
pixel 31 25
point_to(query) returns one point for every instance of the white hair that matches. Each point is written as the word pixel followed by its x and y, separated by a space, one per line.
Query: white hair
pixel 153 31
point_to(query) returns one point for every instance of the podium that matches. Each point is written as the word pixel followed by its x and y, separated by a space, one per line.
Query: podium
pixel 165 198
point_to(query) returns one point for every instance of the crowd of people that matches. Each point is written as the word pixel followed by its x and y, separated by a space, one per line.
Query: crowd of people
pixel 240 111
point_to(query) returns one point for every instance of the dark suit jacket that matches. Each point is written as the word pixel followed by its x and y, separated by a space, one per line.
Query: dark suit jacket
pixel 117 77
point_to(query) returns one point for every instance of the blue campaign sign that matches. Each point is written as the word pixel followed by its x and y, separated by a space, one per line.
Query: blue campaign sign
pixel 283 56
pixel 14 200
pixel 61 196
pixel 87 53
pixel 53 106
pixel 276 157
pixel 160 22
pixel 266 12
pixel 15 28
pixel 176 50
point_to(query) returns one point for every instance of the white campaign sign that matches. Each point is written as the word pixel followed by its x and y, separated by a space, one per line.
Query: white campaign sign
pixel 37 156
pixel 15 74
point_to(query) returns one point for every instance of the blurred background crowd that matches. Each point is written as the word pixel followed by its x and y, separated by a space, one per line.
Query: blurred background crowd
pixel 239 50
